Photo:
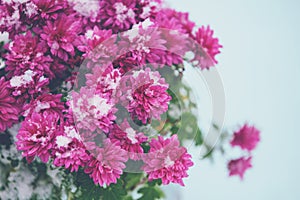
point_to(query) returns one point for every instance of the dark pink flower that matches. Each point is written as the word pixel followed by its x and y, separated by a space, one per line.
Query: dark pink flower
pixel 129 139
pixel 140 45
pixel 129 61
pixel 49 103
pixel 61 35
pixel 26 52
pixel 146 96
pixel 49 8
pixel 105 82
pixel 173 20
pixel 147 8
pixel 118 15
pixel 88 9
pixel 36 135
pixel 247 137
pixel 31 10
pixel 107 165
pixel 206 49
pixel 9 108
pixel 69 150
pixel 28 85
pixel 10 18
pixel 238 167
pixel 98 46
pixel 167 161
pixel 91 111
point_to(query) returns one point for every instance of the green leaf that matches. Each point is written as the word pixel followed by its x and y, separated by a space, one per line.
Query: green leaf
pixel 198 138
pixel 114 191
pixel 88 189
pixel 174 130
pixel 151 193
pixel 189 129
pixel 145 147
pixel 155 182
pixel 132 180
pixel 128 198
pixel 209 154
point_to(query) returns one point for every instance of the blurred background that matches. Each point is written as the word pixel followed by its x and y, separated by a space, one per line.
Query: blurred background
pixel 260 68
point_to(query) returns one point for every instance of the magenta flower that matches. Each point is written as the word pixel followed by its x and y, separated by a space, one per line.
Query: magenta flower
pixel 10 18
pixel 129 61
pixel 239 166
pixel 129 139
pixel 49 103
pixel 118 15
pixel 69 150
pixel 140 45
pixel 31 10
pixel 61 35
pixel 147 8
pixel 36 136
pixel 28 85
pixel 9 108
pixel 26 52
pixel 208 49
pixel 173 20
pixel 98 46
pixel 107 165
pixel 106 81
pixel 92 111
pixel 247 137
pixel 88 9
pixel 147 95
pixel 49 8
pixel 167 161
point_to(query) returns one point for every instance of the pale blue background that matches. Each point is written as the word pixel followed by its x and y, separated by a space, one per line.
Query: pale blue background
pixel 260 68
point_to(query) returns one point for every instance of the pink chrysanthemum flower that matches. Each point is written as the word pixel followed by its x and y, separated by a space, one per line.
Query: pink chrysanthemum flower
pixel 129 61
pixel 147 8
pixel 88 9
pixel 129 139
pixel 105 83
pixel 92 111
pixel 98 46
pixel 107 165
pixel 118 15
pixel 36 135
pixel 175 29
pixel 69 151
pixel 167 161
pixel 208 49
pixel 28 85
pixel 146 95
pixel 61 35
pixel 49 8
pixel 247 137
pixel 10 18
pixel 239 166
pixel 143 43
pixel 49 103
pixel 9 108
pixel 173 20
pixel 31 10
pixel 26 52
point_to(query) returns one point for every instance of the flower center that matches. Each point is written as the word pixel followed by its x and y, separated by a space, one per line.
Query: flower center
pixel 168 162
pixel 131 135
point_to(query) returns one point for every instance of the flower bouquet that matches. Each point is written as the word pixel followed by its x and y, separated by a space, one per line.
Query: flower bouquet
pixel 93 102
